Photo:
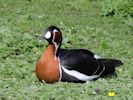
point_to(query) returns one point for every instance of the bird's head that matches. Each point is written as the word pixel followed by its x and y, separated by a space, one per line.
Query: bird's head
pixel 53 35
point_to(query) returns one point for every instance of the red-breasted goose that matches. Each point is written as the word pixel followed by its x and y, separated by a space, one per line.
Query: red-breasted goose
pixel 71 65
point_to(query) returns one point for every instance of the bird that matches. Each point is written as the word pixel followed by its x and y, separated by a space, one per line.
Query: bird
pixel 70 65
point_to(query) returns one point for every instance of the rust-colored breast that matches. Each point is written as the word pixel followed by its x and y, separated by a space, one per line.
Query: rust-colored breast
pixel 47 67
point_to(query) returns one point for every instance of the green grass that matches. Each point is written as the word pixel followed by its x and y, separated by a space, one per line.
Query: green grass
pixel 102 26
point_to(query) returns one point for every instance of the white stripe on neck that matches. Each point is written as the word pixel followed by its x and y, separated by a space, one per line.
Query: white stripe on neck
pixel 60 69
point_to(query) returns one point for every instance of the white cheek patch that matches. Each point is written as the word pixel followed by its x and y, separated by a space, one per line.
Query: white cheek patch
pixel 48 35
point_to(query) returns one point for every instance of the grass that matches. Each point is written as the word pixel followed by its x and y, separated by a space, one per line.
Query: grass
pixel 104 28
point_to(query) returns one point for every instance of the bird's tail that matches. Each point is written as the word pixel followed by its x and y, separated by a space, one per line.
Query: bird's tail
pixel 110 65
pixel 111 62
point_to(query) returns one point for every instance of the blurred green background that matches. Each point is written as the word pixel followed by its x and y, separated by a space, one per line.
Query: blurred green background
pixel 102 26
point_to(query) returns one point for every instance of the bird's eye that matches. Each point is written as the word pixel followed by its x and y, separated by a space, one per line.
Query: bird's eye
pixel 48 35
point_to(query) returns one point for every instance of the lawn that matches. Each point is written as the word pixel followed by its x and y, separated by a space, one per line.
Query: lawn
pixel 102 26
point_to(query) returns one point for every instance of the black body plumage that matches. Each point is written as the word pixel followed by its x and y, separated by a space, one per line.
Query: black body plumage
pixel 83 61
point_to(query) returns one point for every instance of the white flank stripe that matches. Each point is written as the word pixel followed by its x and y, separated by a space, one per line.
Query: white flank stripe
pixel 96 70
pixel 79 75
pixel 102 70
pixel 97 57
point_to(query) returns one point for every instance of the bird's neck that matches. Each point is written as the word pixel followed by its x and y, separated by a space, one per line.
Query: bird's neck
pixel 47 67
pixel 51 50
